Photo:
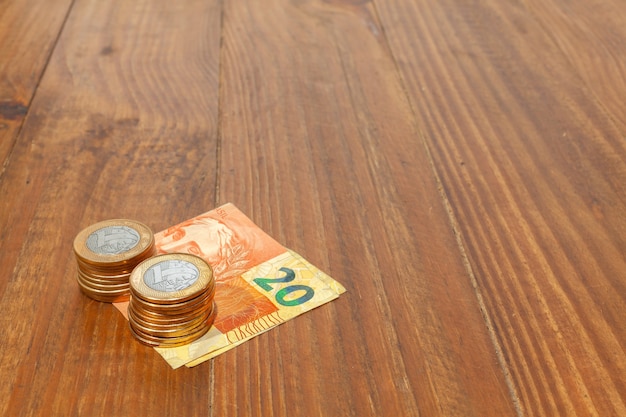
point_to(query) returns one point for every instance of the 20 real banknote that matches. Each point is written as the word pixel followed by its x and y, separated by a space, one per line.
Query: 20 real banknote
pixel 259 283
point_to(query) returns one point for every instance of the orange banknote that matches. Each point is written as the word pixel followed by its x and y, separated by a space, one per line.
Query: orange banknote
pixel 259 283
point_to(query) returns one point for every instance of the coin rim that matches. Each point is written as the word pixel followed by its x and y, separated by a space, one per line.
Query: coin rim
pixel 146 241
pixel 175 330
pixel 172 341
pixel 205 278
pixel 104 298
pixel 163 318
pixel 176 307
pixel 159 323
pixel 105 286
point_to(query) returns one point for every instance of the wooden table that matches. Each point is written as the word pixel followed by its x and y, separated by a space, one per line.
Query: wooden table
pixel 459 165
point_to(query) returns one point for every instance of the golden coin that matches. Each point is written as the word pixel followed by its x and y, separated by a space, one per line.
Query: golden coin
pixel 141 339
pixel 157 319
pixel 172 300
pixel 171 342
pixel 188 324
pixel 175 308
pixel 113 242
pixel 210 288
pixel 168 341
pixel 108 269
pixel 170 333
pixel 181 330
pixel 171 278
pixel 105 271
pixel 106 253
pixel 106 297
pixel 150 322
pixel 102 276
pixel 116 279
pixel 96 282
pixel 100 286
pixel 112 292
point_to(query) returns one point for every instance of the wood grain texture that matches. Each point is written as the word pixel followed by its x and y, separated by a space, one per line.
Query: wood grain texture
pixel 28 32
pixel 520 104
pixel 589 37
pixel 123 124
pixel 460 166
pixel 319 146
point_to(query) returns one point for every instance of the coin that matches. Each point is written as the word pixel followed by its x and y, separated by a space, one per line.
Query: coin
pixel 113 241
pixel 185 338
pixel 104 296
pixel 107 252
pixel 171 278
pixel 167 342
pixel 174 308
pixel 170 341
pixel 172 300
pixel 107 270
pixel 170 325
pixel 111 291
pixel 171 330
pixel 102 286
pixel 110 283
pixel 157 318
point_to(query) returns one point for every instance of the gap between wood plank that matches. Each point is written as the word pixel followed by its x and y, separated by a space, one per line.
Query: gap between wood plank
pixel 470 272
pixel 218 139
pixel 457 234
pixel 218 167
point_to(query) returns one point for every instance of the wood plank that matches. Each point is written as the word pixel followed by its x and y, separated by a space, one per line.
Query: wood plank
pixel 527 136
pixel 589 36
pixel 123 124
pixel 28 31
pixel 319 147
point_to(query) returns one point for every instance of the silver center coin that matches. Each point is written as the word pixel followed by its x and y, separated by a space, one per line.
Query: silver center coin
pixel 171 275
pixel 113 240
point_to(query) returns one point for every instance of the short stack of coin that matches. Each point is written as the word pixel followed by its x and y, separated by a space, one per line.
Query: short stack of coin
pixel 172 300
pixel 106 253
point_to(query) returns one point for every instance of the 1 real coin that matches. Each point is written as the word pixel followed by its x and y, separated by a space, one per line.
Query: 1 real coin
pixel 106 271
pixel 175 308
pixel 172 300
pixel 104 296
pixel 107 252
pixel 156 318
pixel 171 278
pixel 103 286
pixel 165 342
pixel 179 330
pixel 188 324
pixel 113 242
pixel 170 341
pixel 104 292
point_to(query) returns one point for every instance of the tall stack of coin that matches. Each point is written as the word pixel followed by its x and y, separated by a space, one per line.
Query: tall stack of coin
pixel 106 253
pixel 172 300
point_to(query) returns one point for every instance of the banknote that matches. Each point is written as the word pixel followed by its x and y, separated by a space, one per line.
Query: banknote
pixel 259 283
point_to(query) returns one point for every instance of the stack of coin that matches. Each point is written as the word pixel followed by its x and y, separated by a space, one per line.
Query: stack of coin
pixel 172 300
pixel 106 253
